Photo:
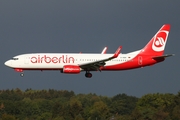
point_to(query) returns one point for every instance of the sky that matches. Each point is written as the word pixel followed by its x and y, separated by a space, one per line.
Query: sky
pixel 68 26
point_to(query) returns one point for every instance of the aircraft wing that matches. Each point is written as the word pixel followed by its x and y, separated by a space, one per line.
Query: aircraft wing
pixel 96 65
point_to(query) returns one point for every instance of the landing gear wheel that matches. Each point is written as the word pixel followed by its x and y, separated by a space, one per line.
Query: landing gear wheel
pixel 88 75
pixel 22 74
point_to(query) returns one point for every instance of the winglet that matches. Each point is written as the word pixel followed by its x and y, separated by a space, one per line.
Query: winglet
pixel 104 50
pixel 116 54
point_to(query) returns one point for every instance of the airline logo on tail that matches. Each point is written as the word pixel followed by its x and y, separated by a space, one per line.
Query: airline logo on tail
pixel 160 41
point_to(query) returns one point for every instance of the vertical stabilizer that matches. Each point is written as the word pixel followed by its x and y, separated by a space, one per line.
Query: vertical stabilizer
pixel 157 44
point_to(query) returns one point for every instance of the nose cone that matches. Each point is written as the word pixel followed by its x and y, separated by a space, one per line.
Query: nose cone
pixel 8 63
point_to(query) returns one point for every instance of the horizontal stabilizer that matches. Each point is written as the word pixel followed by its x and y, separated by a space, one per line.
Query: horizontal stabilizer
pixel 161 58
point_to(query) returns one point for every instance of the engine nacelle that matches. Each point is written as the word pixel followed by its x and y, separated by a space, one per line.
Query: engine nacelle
pixel 71 69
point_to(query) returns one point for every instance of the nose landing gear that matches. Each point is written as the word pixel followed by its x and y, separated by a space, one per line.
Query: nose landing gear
pixel 19 70
pixel 22 74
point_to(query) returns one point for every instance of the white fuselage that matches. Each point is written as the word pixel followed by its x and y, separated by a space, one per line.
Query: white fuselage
pixel 58 60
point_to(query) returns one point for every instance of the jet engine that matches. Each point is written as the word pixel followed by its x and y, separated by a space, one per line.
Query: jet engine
pixel 71 69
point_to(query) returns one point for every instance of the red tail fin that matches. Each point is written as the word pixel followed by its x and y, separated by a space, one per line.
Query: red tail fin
pixel 157 44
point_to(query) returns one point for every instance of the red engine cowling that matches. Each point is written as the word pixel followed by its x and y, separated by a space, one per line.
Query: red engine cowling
pixel 71 69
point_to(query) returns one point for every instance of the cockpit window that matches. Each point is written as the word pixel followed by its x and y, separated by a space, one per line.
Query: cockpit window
pixel 15 58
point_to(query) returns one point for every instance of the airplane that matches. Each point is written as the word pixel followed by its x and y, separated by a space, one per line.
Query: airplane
pixel 72 63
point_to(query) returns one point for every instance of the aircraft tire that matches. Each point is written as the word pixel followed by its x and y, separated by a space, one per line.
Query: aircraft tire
pixel 88 75
pixel 22 74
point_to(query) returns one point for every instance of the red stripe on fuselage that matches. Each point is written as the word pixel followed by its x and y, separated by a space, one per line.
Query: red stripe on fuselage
pixel 137 62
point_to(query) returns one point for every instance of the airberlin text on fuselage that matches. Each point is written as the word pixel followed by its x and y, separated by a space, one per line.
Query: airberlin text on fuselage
pixel 52 59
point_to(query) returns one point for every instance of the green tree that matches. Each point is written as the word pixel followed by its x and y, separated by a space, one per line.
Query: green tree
pixel 8 117
pixel 161 115
pixel 176 113
pixel 75 107
pixel 136 115
pixel 176 109
pixel 123 104
pixel 99 110
pixel 155 106
pixel 45 116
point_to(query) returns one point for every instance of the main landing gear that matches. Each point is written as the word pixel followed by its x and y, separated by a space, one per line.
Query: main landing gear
pixel 88 74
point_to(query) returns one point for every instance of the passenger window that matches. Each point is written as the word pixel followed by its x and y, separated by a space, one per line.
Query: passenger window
pixel 15 58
